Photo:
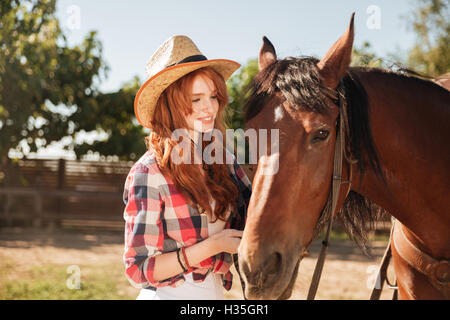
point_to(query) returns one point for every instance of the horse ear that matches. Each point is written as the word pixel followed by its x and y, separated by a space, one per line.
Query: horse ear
pixel 267 54
pixel 335 63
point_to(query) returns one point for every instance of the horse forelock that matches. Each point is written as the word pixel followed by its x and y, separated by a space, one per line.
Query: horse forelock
pixel 296 79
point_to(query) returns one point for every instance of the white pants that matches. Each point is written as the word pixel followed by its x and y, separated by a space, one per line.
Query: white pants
pixel 210 289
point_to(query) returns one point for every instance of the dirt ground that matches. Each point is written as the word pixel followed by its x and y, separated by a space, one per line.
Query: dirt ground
pixel 347 274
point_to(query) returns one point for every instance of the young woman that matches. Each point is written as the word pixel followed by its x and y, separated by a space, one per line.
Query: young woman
pixel 184 219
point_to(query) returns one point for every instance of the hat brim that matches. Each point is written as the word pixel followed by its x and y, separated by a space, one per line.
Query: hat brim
pixel 148 95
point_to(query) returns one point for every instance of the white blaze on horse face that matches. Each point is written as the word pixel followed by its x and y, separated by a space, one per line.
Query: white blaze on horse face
pixel 268 164
pixel 278 113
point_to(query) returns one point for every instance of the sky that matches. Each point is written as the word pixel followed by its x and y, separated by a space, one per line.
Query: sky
pixel 131 31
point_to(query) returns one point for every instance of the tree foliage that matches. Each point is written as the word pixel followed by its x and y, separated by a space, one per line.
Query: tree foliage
pixel 113 114
pixel 430 22
pixel 365 57
pixel 236 86
pixel 49 90
pixel 42 80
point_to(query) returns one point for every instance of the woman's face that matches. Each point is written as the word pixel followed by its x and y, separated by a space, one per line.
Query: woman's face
pixel 204 105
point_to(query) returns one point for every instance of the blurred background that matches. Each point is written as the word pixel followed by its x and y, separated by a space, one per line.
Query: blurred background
pixel 69 71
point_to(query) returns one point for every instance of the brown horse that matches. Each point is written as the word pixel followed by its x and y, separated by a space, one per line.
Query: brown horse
pixel 398 136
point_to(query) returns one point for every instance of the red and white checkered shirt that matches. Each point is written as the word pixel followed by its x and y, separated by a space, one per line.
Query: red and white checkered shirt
pixel 159 220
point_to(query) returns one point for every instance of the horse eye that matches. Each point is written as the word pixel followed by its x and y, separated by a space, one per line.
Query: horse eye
pixel 320 135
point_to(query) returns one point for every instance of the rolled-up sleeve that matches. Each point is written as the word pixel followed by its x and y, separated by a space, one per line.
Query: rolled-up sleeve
pixel 144 228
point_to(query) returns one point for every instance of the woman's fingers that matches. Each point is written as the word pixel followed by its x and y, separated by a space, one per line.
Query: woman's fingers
pixel 227 240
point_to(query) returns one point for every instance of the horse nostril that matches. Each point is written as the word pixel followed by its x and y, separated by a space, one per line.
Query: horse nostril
pixel 273 263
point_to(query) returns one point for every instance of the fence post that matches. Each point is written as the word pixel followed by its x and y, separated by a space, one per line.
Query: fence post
pixel 6 213
pixel 6 168
pixel 38 203
pixel 37 221
pixel 59 200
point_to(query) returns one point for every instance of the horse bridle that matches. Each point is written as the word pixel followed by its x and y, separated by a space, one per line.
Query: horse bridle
pixel 435 270
pixel 337 181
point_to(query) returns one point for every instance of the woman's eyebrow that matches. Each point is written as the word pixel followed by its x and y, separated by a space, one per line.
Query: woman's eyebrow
pixel 202 93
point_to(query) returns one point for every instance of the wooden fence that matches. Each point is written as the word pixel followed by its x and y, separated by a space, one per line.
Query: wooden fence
pixel 65 191
pixel 68 192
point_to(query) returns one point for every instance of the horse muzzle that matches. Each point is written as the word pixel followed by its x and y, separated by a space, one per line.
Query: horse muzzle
pixel 267 277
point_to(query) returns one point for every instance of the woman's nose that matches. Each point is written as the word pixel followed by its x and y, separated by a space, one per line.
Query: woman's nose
pixel 207 106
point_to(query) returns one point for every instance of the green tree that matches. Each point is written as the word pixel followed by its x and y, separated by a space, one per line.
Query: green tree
pixel 113 114
pixel 364 56
pixel 236 86
pixel 49 90
pixel 431 23
pixel 237 89
pixel 43 82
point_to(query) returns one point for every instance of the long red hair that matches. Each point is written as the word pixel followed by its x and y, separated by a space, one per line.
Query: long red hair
pixel 174 104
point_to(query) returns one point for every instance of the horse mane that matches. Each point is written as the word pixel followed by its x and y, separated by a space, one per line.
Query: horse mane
pixel 298 80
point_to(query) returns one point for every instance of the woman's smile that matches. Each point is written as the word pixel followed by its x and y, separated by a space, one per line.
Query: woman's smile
pixel 206 120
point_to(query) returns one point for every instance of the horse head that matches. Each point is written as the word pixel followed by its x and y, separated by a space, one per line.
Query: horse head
pixel 298 99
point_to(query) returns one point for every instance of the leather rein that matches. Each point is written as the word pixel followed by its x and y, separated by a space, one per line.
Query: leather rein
pixel 337 181
pixel 330 207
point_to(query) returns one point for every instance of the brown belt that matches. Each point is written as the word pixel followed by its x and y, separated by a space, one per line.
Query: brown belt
pixel 437 271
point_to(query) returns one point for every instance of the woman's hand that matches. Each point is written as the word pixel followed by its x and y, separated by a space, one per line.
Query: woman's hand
pixel 167 265
pixel 227 240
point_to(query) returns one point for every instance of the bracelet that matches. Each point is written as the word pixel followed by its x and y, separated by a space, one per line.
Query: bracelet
pixel 183 250
pixel 180 262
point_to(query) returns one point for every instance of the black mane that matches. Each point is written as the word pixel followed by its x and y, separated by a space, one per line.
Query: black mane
pixel 298 80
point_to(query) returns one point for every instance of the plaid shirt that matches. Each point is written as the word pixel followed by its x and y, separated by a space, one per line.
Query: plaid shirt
pixel 159 220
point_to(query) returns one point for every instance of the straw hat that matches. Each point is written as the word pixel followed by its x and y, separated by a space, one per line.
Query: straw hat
pixel 175 58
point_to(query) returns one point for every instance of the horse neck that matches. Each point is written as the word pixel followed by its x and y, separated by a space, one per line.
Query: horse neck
pixel 409 119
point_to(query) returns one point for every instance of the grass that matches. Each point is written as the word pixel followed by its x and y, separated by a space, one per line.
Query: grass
pixel 50 282
pixel 103 279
